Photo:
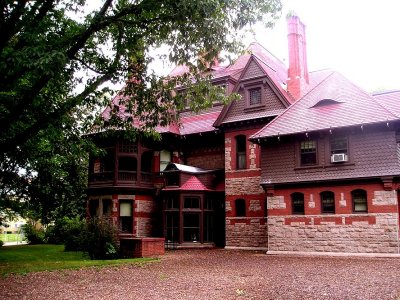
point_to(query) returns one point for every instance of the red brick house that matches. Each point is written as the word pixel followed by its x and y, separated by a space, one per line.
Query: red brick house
pixel 304 161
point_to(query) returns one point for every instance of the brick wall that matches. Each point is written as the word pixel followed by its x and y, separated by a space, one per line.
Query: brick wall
pixel 376 231
pixel 144 209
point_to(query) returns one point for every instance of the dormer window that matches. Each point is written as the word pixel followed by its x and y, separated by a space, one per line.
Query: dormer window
pixel 255 96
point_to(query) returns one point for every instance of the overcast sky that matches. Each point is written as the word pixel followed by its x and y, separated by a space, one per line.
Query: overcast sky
pixel 358 38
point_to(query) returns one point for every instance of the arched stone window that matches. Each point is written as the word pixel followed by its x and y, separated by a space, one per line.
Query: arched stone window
pixel 297 203
pixel 359 200
pixel 240 207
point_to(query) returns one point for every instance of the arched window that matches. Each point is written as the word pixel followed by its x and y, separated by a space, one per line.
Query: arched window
pixel 327 202
pixel 240 152
pixel 297 203
pixel 359 199
pixel 240 207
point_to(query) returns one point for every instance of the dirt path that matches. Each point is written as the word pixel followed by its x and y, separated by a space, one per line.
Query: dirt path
pixel 218 274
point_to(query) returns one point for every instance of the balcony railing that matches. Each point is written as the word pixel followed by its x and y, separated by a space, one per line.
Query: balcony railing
pixel 127 176
pixel 146 176
pixel 101 177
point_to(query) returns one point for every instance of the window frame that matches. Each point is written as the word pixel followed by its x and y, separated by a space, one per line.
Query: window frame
pixel 241 154
pixel 292 200
pixel 353 203
pixel 249 96
pixel 239 210
pixel 315 152
pixel 322 196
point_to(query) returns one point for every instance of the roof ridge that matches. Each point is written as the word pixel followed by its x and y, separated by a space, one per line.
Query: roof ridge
pixel 273 55
pixel 385 92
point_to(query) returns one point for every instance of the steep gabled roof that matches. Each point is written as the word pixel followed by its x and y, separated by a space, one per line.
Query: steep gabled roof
pixel 185 169
pixel 350 106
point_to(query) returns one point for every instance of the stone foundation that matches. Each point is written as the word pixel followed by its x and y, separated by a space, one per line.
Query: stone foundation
pixel 372 233
pixel 246 233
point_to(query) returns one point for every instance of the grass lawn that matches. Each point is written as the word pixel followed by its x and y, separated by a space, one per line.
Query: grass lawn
pixel 32 258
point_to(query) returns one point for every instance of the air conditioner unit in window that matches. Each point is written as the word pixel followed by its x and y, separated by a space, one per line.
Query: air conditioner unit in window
pixel 339 157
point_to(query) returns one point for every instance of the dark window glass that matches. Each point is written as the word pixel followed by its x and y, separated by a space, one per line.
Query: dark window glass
pixel 208 227
pixel 297 203
pixel 172 178
pixel 191 202
pixel 94 208
pixel 240 206
pixel 308 152
pixel 339 145
pixel 359 198
pixel 327 202
pixel 255 96
pixel 173 202
pixel 191 227
pixel 107 207
pixel 172 226
pixel 241 152
pixel 208 203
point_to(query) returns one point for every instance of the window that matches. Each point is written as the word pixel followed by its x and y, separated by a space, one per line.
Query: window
pixel 127 147
pixel 359 199
pixel 240 206
pixel 255 96
pixel 241 152
pixel 172 202
pixel 327 202
pixel 191 202
pixel 126 216
pixel 339 149
pixel 146 166
pixel 165 159
pixel 308 152
pixel 297 203
pixel 94 208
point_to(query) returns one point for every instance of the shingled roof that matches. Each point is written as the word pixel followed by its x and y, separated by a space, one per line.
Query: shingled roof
pixel 333 103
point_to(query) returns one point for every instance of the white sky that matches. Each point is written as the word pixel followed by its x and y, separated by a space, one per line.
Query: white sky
pixel 358 38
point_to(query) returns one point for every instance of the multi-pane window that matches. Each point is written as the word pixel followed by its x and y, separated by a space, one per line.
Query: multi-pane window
pixel 241 152
pixel 308 152
pixel 165 159
pixel 255 96
pixel 359 199
pixel 297 203
pixel 191 202
pixel 327 202
pixel 240 206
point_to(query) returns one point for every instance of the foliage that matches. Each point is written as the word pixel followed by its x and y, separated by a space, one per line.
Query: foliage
pixel 56 55
pixel 67 231
pixel 34 258
pixel 1 243
pixel 33 234
pixel 100 239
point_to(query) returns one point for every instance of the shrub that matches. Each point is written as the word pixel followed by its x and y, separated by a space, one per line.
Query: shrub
pixel 33 234
pixel 100 239
pixel 67 231
pixel 1 243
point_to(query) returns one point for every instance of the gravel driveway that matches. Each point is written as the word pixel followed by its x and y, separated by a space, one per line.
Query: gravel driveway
pixel 217 274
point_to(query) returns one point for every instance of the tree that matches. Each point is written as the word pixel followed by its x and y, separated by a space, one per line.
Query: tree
pixel 49 48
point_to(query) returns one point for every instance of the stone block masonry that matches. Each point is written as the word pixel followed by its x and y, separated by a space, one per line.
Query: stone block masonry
pixel 246 233
pixel 375 233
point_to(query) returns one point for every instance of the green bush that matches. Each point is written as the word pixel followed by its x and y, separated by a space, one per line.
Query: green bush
pixel 100 239
pixel 33 235
pixel 67 231
pixel 1 243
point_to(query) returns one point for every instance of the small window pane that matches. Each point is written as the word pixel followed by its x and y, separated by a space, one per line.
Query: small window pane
pixel 255 96
pixel 125 209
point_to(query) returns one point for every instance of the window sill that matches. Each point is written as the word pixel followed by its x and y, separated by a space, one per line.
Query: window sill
pixel 330 166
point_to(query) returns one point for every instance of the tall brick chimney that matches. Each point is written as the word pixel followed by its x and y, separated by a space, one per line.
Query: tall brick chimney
pixel 298 71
